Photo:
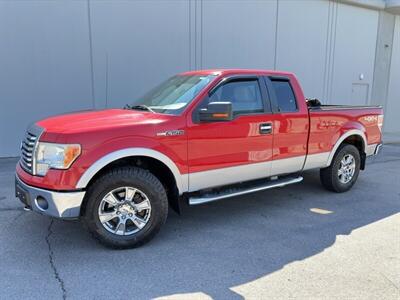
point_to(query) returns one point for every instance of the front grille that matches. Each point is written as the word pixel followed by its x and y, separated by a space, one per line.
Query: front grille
pixel 28 146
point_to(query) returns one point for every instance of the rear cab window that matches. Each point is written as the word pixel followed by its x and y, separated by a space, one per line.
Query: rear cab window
pixel 283 95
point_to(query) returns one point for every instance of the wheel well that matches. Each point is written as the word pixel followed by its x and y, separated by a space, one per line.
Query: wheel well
pixel 156 167
pixel 358 142
pixel 355 140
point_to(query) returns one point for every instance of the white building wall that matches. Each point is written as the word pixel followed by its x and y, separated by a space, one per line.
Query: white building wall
pixel 61 56
pixel 237 34
pixel 136 44
pixel 392 107
pixel 44 64
pixel 303 42
pixel 354 55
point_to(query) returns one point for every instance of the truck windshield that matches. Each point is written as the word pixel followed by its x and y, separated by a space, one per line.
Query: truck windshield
pixel 173 95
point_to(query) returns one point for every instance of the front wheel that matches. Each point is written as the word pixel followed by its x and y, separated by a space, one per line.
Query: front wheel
pixel 343 172
pixel 125 208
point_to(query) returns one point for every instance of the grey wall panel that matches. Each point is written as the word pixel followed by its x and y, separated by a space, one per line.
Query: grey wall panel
pixel 44 64
pixel 383 57
pixel 354 53
pixel 60 56
pixel 238 34
pixel 136 44
pixel 302 41
pixel 392 111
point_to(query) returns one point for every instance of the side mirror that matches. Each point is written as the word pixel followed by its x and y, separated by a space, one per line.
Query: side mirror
pixel 216 111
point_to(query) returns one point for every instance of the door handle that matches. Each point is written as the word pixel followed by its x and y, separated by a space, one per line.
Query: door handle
pixel 266 128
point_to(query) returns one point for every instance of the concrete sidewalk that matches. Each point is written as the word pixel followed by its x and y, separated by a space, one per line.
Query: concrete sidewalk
pixel 298 242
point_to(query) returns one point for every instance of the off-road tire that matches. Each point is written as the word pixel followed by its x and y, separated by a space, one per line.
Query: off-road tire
pixel 118 177
pixel 329 176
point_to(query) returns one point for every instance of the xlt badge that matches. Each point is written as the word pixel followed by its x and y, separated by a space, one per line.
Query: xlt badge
pixel 171 132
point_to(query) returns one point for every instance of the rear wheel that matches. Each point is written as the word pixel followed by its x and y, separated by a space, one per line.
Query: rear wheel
pixel 125 208
pixel 343 172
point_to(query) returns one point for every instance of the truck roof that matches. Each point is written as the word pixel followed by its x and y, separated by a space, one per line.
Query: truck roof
pixel 236 71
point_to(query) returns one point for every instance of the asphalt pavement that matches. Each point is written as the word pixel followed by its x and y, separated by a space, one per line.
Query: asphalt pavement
pixel 297 242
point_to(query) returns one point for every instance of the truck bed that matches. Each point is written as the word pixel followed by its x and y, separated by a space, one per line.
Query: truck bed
pixel 329 122
pixel 340 107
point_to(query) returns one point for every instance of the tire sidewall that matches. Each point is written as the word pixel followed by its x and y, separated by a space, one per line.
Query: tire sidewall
pixel 344 150
pixel 136 178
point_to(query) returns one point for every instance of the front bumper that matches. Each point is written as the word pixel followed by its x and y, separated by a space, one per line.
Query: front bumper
pixel 51 203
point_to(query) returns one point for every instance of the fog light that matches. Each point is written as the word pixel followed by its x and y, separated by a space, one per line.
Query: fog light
pixel 41 203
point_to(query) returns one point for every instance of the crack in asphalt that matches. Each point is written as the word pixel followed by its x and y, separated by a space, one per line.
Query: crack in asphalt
pixel 52 263
pixel 390 281
pixel 19 215
pixel 15 219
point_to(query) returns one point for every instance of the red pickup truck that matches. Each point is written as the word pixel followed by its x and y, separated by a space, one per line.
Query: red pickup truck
pixel 200 136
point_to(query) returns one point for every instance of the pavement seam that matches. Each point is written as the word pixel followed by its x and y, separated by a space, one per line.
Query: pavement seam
pixel 390 281
pixel 52 263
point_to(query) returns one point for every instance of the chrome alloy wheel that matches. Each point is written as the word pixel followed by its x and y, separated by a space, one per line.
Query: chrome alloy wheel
pixel 124 211
pixel 347 168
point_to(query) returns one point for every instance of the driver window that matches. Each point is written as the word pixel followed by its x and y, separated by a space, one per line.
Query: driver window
pixel 244 95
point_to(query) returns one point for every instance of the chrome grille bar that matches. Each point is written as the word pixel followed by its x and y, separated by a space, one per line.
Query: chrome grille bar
pixel 28 147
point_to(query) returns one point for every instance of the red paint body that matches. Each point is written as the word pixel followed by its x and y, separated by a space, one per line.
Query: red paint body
pixel 204 146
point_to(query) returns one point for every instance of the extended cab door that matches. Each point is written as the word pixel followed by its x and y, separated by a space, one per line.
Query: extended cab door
pixel 290 124
pixel 224 152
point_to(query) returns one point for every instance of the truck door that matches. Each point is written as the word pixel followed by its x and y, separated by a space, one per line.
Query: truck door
pixel 290 124
pixel 225 152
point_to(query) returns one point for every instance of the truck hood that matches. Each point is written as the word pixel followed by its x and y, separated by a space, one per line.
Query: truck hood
pixel 98 120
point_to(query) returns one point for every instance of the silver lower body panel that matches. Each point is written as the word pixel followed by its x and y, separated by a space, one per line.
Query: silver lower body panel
pixel 51 203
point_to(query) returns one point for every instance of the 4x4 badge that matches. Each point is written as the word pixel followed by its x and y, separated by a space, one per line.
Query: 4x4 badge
pixel 171 132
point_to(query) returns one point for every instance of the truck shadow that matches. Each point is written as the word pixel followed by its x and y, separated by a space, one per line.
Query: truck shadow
pixel 214 247
pixel 217 246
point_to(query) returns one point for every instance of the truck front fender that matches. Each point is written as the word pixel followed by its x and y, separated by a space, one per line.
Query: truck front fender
pixel 181 179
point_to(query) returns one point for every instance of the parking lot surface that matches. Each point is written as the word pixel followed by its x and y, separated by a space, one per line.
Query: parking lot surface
pixel 297 242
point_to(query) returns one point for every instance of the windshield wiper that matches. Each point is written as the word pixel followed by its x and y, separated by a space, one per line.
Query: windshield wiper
pixel 139 107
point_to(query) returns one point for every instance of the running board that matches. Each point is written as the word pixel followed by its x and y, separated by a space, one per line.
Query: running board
pixel 196 200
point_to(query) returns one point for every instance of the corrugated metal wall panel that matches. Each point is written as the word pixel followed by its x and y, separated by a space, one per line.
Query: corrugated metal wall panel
pixel 44 64
pixel 392 111
pixel 354 54
pixel 303 44
pixel 136 44
pixel 60 56
pixel 237 34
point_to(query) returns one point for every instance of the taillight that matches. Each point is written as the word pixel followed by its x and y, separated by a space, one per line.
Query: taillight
pixel 380 122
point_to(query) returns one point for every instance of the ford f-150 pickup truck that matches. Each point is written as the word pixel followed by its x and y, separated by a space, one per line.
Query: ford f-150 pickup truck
pixel 198 137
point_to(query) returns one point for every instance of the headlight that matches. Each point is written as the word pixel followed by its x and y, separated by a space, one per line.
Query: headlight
pixel 55 156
